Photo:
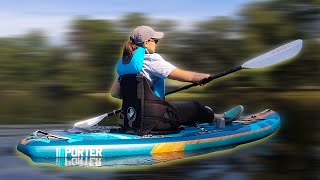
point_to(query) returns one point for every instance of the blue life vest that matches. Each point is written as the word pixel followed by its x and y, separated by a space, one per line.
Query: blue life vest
pixel 135 67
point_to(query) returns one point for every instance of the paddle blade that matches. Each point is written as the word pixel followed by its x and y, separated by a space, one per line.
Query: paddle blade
pixel 277 55
pixel 90 122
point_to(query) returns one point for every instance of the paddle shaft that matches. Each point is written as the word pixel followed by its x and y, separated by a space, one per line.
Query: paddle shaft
pixel 114 112
pixel 206 80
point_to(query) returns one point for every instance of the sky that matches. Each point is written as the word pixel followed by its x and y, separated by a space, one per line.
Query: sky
pixel 53 17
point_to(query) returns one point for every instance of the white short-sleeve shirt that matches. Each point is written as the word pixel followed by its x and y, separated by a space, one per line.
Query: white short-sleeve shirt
pixel 154 66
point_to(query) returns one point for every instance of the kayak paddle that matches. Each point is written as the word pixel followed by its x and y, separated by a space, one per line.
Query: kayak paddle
pixel 272 57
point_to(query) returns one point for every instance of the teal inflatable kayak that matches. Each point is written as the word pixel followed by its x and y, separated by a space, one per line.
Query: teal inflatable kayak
pixel 101 141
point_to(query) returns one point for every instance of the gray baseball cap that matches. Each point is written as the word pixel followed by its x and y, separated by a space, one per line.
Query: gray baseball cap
pixel 144 33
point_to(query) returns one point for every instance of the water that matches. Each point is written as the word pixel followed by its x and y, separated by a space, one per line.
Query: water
pixel 292 153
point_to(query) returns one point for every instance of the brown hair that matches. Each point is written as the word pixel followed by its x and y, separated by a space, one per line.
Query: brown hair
pixel 128 51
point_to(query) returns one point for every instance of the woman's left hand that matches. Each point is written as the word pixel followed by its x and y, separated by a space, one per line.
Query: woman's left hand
pixel 205 80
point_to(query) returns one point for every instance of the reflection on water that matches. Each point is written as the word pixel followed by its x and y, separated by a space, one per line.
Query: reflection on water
pixel 292 153
pixel 136 160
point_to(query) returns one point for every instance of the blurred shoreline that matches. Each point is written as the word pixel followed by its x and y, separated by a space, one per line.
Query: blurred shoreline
pixel 31 108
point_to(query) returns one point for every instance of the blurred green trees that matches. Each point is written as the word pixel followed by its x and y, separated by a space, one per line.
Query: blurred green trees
pixel 87 62
pixel 273 22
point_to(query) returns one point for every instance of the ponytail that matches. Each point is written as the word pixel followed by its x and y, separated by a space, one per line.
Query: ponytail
pixel 128 51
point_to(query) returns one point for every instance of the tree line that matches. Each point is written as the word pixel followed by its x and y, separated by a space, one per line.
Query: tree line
pixel 86 63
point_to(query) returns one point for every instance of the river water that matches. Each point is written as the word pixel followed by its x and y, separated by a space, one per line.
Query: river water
pixel 293 152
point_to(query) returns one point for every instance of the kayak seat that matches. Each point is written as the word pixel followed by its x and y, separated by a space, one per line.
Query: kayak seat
pixel 143 112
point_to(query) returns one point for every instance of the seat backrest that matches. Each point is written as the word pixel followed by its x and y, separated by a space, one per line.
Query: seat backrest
pixel 144 112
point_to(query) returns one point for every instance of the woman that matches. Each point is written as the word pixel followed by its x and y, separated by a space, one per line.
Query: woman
pixel 139 57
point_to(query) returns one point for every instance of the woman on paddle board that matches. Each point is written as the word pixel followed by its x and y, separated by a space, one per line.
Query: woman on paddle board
pixel 139 57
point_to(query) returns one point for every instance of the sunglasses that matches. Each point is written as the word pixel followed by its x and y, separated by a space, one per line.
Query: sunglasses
pixel 154 40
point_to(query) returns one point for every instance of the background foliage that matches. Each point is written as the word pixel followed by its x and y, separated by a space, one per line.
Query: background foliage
pixel 87 62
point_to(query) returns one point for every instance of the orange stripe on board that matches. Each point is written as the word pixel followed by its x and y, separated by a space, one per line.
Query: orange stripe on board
pixel 179 146
pixel 168 147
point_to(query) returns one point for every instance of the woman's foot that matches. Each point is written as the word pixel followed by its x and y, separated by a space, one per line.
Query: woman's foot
pixel 230 115
pixel 234 113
